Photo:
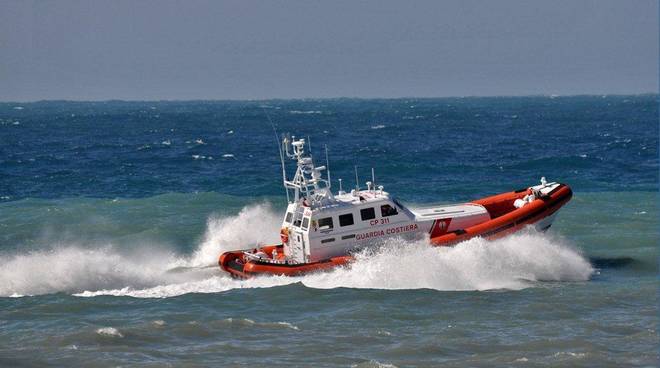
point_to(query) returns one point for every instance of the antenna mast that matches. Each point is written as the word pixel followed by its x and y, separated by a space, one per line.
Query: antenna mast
pixel 279 148
pixel 327 165
pixel 309 144
pixel 308 181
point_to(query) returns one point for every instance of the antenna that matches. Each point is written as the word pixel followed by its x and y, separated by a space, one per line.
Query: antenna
pixel 357 181
pixel 373 178
pixel 309 144
pixel 327 165
pixel 279 148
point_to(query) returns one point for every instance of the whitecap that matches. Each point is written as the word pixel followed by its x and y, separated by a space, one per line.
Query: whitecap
pixel 109 331
pixel 569 354
pixel 251 322
pixel 287 325
pixel 379 126
pixel 306 112
pixel 373 364
pixel 239 321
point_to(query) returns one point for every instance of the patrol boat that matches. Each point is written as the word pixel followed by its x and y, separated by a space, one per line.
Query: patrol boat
pixel 322 230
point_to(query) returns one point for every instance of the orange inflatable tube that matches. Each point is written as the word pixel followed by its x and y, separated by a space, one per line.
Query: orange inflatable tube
pixel 505 218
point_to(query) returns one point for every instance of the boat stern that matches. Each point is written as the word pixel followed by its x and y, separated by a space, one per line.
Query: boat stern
pixel 232 263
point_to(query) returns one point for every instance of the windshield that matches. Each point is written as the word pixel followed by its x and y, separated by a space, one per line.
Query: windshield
pixel 398 204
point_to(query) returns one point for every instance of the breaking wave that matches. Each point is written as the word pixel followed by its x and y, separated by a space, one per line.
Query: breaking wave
pixel 514 262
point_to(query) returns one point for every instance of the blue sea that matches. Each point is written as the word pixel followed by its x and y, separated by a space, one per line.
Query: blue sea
pixel 113 214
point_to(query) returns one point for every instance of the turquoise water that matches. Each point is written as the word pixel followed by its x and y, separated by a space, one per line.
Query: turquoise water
pixel 112 216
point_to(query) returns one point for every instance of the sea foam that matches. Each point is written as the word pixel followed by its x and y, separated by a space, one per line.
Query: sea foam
pixel 514 262
pixel 110 332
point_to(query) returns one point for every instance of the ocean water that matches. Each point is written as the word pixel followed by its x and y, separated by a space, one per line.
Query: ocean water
pixel 113 214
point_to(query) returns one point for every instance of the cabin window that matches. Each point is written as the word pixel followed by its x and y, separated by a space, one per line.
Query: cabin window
pixel 325 223
pixel 305 223
pixel 288 217
pixel 346 220
pixel 387 210
pixel 297 218
pixel 368 213
pixel 329 240
pixel 348 237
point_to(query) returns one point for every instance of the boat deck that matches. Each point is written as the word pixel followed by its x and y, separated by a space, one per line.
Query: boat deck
pixel 448 211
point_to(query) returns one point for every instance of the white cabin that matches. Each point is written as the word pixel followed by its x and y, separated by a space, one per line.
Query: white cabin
pixel 319 225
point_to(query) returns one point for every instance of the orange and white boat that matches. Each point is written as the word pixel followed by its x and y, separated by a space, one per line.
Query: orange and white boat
pixel 322 230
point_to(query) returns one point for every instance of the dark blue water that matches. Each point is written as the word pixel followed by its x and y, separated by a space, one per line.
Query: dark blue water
pixel 445 148
pixel 110 213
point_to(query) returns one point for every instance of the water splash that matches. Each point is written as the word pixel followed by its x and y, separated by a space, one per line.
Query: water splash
pixel 70 268
pixel 256 224
pixel 75 268
pixel 514 262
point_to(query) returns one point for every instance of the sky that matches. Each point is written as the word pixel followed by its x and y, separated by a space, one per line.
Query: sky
pixel 246 49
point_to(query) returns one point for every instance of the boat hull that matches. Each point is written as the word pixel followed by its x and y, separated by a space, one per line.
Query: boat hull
pixel 235 263
pixel 505 219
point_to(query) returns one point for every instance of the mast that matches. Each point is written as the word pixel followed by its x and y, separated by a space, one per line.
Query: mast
pixel 279 148
pixel 308 182
pixel 327 165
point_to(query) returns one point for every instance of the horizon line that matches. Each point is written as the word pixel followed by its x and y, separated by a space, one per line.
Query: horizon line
pixel 552 95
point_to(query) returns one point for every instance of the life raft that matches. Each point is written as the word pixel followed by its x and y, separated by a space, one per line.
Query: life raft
pixel 509 212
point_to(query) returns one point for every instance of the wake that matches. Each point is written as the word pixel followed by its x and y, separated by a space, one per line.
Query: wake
pixel 515 262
